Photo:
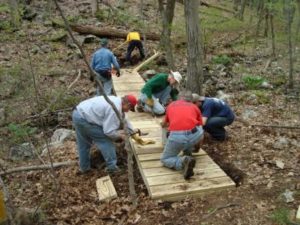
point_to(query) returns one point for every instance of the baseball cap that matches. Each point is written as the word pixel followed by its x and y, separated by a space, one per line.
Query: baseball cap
pixel 177 76
pixel 132 101
pixel 197 97
pixel 103 41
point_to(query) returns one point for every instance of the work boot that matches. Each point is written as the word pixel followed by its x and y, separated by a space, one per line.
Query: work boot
pixel 188 166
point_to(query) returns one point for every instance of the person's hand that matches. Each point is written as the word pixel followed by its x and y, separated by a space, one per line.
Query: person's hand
pixel 150 102
pixel 118 74
pixel 163 124
pixel 122 134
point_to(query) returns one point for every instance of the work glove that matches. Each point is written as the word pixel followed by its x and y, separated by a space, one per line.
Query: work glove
pixel 118 74
pixel 150 102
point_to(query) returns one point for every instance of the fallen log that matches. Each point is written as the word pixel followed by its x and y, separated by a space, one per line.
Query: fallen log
pixel 38 167
pixel 108 32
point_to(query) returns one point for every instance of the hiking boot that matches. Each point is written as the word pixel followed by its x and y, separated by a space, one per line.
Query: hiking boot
pixel 188 167
pixel 80 172
pixel 112 171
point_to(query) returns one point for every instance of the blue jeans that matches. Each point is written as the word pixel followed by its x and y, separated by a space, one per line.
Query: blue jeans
pixel 86 135
pixel 160 99
pixel 107 85
pixel 177 141
pixel 215 127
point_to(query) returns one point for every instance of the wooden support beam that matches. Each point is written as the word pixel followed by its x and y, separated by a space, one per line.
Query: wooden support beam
pixel 105 188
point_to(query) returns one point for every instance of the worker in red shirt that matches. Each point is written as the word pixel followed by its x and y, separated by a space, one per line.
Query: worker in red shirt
pixel 184 122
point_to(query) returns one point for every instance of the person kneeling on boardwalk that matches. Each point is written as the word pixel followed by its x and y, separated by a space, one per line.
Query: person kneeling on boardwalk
pixel 216 115
pixel 95 121
pixel 184 122
pixel 158 91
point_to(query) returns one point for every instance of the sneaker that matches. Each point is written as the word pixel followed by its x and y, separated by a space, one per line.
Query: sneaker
pixel 80 172
pixel 140 107
pixel 188 167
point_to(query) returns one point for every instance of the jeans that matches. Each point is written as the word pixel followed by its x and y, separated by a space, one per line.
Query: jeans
pixel 177 141
pixel 107 85
pixel 160 99
pixel 215 127
pixel 86 135
pixel 131 46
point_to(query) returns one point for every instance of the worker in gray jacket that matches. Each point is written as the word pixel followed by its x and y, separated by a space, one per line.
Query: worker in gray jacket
pixel 95 121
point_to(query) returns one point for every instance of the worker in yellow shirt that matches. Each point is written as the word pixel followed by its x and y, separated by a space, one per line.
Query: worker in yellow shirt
pixel 134 41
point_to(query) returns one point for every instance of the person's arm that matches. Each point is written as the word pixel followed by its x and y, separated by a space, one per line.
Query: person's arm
pixel 111 124
pixel 93 62
pixel 204 119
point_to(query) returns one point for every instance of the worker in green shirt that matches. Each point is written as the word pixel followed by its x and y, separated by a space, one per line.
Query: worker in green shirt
pixel 158 91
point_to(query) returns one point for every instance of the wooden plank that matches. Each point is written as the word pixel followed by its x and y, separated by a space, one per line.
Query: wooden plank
pixel 122 93
pixel 156 156
pixel 178 177
pixel 298 215
pixel 105 188
pixel 201 161
pixel 190 186
pixel 148 149
pixel 161 171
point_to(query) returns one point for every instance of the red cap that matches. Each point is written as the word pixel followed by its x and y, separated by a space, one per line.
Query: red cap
pixel 132 100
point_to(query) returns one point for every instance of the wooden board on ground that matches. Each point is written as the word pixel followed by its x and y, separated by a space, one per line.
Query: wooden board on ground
pixel 105 188
pixel 161 182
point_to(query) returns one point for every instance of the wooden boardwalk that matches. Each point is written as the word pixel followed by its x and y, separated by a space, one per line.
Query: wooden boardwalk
pixel 161 182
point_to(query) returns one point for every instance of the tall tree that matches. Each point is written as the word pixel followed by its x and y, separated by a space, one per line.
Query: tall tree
pixel 194 49
pixel 167 15
pixel 15 17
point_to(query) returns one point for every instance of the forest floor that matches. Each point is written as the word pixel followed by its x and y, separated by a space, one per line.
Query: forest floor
pixel 263 161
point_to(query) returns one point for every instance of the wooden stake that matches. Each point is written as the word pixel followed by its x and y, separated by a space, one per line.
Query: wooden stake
pixel 156 54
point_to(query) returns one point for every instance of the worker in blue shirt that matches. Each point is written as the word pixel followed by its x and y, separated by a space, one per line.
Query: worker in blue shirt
pixel 102 61
pixel 216 114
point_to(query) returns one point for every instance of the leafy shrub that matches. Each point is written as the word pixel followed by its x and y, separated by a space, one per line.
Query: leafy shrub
pixel 281 216
pixel 253 82
pixel 20 132
pixel 262 97
pixel 222 59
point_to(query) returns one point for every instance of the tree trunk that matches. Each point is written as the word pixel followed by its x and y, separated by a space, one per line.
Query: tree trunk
pixel 289 11
pixel 236 5
pixel 272 34
pixel 266 22
pixel 194 50
pixel 15 17
pixel 242 10
pixel 298 24
pixel 108 32
pixel 167 15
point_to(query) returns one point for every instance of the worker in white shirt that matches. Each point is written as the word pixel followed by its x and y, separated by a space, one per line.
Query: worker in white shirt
pixel 95 121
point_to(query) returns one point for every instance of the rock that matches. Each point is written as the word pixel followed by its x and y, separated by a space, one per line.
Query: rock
pixel 295 143
pixel 148 74
pixel 46 48
pixel 220 86
pixel 223 96
pixel 279 164
pixel 266 85
pixel 288 196
pixel 58 36
pixel 23 151
pixel 281 143
pixel 90 39
pixel 249 113
pixel 60 135
pixel 35 49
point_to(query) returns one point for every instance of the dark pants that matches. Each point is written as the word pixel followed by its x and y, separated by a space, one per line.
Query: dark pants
pixel 131 46
pixel 215 127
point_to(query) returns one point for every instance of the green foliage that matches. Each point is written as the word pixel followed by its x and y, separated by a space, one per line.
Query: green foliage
pixel 20 131
pixel 4 8
pixel 279 80
pixel 253 82
pixel 281 216
pixel 262 97
pixel 222 59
